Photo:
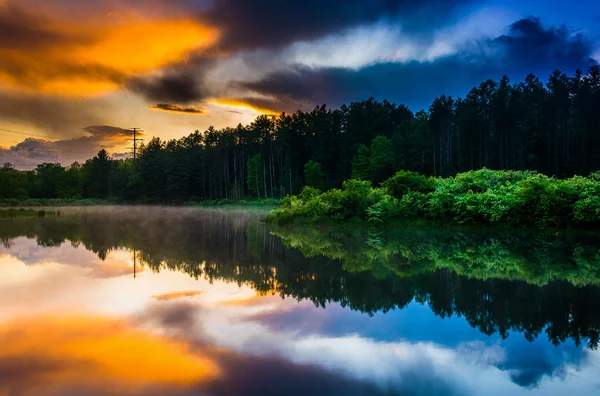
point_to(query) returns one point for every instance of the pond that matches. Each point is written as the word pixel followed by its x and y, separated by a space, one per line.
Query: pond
pixel 151 301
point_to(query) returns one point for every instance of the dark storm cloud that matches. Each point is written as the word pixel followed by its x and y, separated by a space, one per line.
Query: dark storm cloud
pixel 412 83
pixel 180 83
pixel 108 131
pixel 527 47
pixel 271 23
pixel 179 87
pixel 248 25
pixel 531 45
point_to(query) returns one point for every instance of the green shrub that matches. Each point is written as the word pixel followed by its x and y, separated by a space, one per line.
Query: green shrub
pixel 479 197
pixel 587 210
pixel 405 181
pixel 414 205
pixel 595 176
pixel 356 196
pixel 309 193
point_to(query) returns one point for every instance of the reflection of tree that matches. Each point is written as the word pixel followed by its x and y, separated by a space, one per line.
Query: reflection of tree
pixel 499 283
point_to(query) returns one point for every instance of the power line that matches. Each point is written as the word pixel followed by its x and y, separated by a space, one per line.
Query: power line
pixel 29 134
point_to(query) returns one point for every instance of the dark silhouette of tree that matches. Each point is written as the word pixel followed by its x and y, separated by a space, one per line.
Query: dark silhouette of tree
pixel 553 128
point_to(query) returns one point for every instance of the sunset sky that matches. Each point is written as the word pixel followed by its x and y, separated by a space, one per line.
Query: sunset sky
pixel 74 75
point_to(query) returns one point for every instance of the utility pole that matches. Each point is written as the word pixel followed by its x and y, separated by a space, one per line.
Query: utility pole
pixel 135 140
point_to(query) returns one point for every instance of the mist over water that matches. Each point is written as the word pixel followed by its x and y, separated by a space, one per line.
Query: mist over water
pixel 134 300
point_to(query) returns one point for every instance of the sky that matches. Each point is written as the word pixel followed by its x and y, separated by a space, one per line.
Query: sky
pixel 75 75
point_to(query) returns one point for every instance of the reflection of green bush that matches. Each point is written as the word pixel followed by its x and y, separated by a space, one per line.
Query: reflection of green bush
pixel 476 197
pixel 536 259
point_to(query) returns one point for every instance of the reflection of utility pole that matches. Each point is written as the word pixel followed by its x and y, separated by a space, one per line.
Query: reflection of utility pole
pixel 135 140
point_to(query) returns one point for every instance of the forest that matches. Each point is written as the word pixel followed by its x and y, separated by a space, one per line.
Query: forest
pixel 552 128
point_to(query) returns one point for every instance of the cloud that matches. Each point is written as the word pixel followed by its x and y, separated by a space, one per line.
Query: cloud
pixel 416 83
pixel 58 116
pixel 33 151
pixel 180 87
pixel 52 51
pixel 260 105
pixel 171 108
pixel 532 45
pixel 109 132
pixel 273 23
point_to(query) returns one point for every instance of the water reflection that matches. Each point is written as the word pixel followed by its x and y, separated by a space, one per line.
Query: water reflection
pixel 408 311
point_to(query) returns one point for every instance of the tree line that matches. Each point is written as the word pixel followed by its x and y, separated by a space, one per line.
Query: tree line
pixel 551 127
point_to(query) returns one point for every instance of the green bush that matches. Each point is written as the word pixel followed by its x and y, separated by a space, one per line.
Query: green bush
pixel 587 210
pixel 406 181
pixel 356 196
pixel 476 197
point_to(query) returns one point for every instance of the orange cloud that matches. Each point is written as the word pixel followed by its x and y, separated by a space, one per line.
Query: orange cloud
pixel 171 108
pixel 244 105
pixel 177 295
pixel 56 355
pixel 53 54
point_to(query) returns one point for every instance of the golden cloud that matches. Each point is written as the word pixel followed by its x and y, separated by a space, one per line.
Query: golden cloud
pixel 54 54
pixel 243 105
pixel 55 355
pixel 171 108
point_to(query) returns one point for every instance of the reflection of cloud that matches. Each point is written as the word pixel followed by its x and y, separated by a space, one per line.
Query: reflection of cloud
pixel 57 355
pixel 528 363
pixel 117 262
pixel 177 295
pixel 107 270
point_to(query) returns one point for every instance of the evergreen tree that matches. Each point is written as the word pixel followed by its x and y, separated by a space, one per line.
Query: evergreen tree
pixel 361 163
pixel 313 175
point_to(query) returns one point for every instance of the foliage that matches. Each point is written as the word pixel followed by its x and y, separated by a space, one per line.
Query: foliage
pixel 361 162
pixel 254 181
pixel 381 160
pixel 476 197
pixel 313 175
pixel 406 181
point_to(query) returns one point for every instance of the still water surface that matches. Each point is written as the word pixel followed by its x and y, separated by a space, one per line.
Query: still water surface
pixel 154 301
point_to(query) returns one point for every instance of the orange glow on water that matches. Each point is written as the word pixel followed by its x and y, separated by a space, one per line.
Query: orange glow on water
pixel 58 353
